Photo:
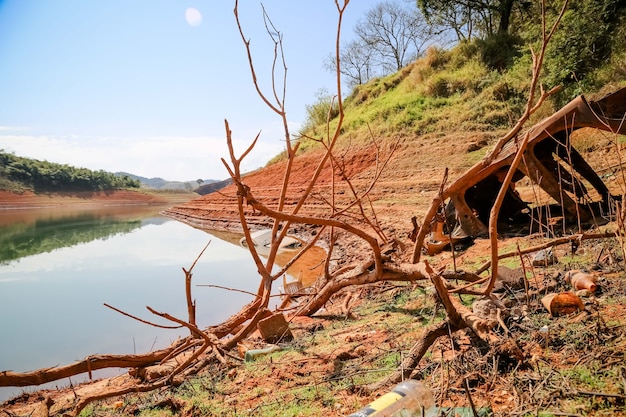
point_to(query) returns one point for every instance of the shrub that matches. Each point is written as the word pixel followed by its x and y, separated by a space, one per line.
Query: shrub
pixel 436 58
pixel 498 51
pixel 319 113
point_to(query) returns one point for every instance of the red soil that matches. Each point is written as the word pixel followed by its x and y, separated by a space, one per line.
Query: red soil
pixel 393 197
pixel 29 199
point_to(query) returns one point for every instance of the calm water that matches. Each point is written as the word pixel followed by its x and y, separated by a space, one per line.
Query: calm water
pixel 57 268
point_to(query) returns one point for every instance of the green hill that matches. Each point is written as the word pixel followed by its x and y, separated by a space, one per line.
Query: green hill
pixel 18 173
pixel 482 85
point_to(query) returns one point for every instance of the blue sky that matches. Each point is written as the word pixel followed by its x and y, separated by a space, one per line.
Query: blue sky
pixel 144 86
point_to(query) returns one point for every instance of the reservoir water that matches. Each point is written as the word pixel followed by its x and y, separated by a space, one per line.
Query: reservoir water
pixel 59 267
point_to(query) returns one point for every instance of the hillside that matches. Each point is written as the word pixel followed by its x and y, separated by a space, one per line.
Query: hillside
pixel 420 131
pixel 19 174
pixel 30 183
pixel 403 190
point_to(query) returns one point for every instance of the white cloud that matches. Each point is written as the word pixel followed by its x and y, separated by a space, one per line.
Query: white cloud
pixel 172 158
pixel 12 128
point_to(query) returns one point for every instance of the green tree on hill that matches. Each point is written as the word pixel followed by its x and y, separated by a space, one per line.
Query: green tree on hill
pixel 49 176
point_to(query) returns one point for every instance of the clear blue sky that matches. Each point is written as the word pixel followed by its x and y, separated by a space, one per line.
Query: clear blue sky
pixel 144 86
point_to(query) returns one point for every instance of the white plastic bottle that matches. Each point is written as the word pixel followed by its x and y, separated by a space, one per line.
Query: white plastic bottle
pixel 410 398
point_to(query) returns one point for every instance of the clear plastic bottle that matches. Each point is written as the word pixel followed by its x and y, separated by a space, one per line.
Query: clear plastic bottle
pixel 253 354
pixel 410 398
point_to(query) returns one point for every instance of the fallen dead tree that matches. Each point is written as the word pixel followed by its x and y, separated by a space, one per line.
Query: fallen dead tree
pixel 88 365
pixel 550 161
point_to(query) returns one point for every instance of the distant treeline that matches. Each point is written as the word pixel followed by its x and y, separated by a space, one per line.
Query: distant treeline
pixel 49 176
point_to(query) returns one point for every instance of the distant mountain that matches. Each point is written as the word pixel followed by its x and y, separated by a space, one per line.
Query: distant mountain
pixel 162 184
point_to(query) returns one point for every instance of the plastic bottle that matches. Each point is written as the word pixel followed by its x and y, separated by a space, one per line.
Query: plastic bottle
pixel 410 398
pixel 253 354
pixel 584 282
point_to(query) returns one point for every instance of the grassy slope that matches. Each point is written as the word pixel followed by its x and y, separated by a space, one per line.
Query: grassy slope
pixel 449 92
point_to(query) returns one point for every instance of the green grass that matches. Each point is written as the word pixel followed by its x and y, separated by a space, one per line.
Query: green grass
pixel 442 92
pixel 585 377
pixel 156 412
pixel 297 402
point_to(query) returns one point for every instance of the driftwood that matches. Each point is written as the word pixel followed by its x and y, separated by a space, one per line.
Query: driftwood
pixel 549 161
pixel 87 365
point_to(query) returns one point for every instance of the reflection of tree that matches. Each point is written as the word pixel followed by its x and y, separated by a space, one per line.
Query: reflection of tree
pixel 20 240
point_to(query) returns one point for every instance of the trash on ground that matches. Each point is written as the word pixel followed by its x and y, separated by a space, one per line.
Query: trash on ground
pixel 581 280
pixel 410 397
pixel 562 304
pixel 274 329
pixel 253 354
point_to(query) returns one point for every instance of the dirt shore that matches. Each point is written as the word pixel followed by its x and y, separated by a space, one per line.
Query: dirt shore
pixel 30 200
pixel 394 198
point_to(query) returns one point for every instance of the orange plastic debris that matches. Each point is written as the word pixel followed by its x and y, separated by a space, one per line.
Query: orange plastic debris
pixel 563 303
pixel 581 280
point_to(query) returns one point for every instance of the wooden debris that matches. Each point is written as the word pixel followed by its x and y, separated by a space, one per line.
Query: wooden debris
pixel 274 329
pixel 550 162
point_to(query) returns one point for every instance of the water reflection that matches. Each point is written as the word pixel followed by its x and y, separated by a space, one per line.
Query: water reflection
pixel 29 232
pixel 307 269
pixel 51 301
pixel 64 264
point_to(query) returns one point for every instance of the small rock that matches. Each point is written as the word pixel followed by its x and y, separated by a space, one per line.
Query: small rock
pixel 511 278
pixel 486 309
pixel 544 257
pixel 518 313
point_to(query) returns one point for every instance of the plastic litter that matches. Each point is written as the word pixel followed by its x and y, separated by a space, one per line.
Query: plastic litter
pixel 410 398
pixel 462 412
pixel 562 304
pixel 253 354
pixel 581 280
